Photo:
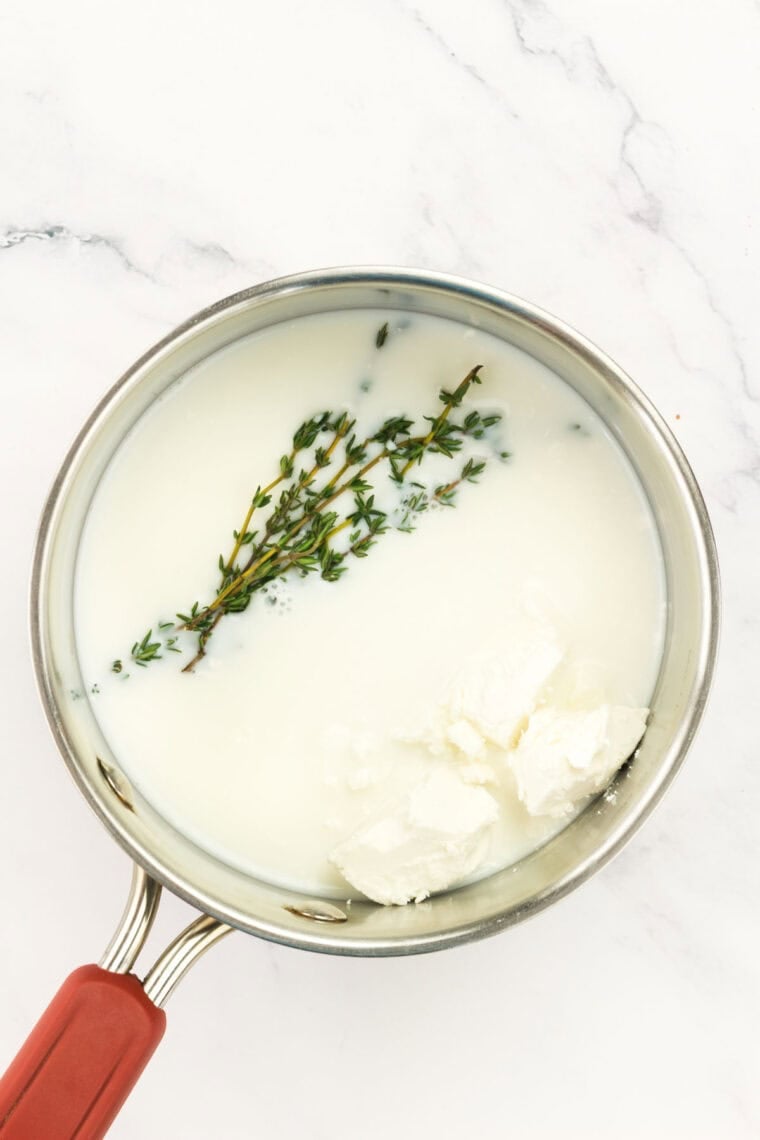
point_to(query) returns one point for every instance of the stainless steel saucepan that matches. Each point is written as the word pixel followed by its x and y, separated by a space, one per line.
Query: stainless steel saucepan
pixel 83 1057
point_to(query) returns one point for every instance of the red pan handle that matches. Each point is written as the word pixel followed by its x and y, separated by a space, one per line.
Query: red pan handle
pixel 81 1060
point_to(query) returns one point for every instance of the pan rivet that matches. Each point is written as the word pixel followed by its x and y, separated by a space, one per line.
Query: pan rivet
pixel 318 912
pixel 117 783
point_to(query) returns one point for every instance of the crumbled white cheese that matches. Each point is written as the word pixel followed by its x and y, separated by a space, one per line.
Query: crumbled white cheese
pixel 436 837
pixel 465 738
pixel 492 695
pixel 476 772
pixel 565 755
pixel 499 714
pixel 496 694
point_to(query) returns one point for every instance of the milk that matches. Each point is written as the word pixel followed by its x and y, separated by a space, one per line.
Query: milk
pixel 295 728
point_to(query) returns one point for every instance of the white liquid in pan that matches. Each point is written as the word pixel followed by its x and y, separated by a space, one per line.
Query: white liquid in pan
pixel 247 755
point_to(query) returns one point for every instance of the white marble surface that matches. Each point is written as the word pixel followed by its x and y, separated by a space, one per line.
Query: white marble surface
pixel 599 158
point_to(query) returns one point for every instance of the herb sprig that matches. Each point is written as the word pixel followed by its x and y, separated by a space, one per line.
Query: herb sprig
pixel 300 533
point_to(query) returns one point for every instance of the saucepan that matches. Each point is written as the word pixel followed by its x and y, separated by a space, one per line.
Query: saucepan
pixel 84 1055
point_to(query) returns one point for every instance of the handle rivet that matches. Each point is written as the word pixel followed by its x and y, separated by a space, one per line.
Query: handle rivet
pixel 117 783
pixel 318 912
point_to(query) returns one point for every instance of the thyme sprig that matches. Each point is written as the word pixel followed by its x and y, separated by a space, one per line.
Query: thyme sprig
pixel 304 531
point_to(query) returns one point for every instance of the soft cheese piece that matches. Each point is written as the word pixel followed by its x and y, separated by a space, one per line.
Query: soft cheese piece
pixel 565 755
pixel 435 838
pixel 492 695
pixel 497 694
pixel 465 738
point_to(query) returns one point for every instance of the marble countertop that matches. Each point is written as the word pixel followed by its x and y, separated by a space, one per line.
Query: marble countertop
pixel 598 158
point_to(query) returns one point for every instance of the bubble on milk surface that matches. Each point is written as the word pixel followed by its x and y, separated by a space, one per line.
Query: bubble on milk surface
pixel 278 596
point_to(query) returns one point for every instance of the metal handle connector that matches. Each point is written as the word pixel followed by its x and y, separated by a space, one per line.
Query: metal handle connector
pixel 180 955
pixel 134 925
pixel 133 929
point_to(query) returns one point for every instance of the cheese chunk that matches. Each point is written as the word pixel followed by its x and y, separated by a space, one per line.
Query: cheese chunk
pixel 491 696
pixel 435 838
pixel 565 755
pixel 465 738
pixel 496 694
